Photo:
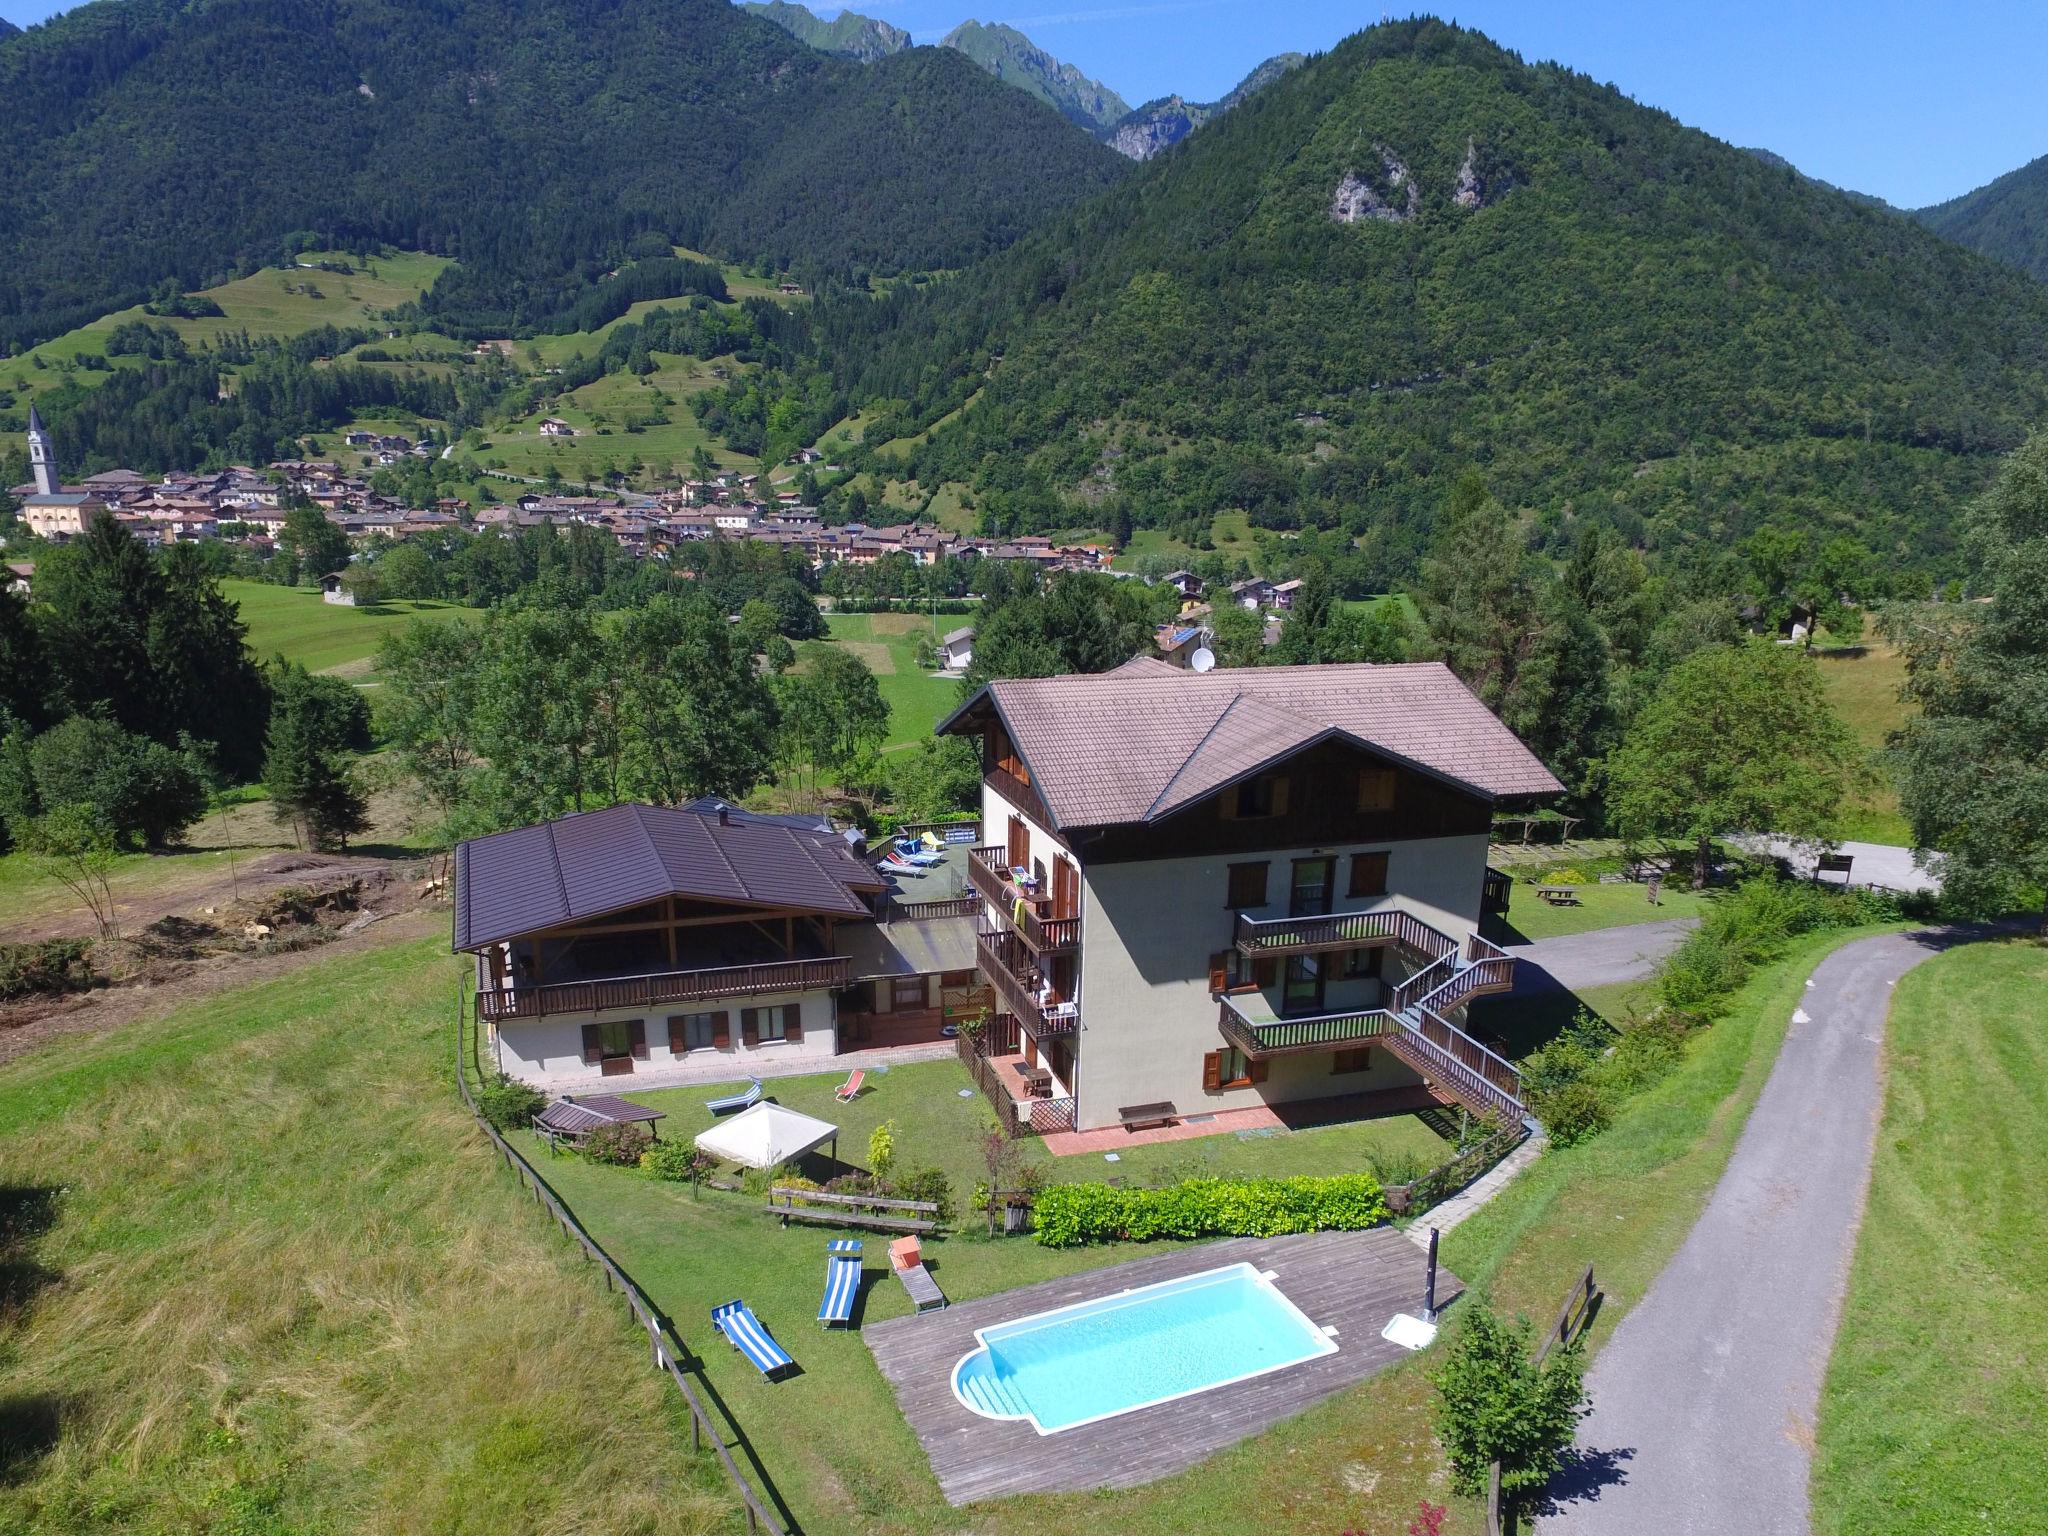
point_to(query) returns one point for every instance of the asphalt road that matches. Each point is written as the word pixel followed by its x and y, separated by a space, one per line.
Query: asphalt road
pixel 1598 958
pixel 1883 864
pixel 1704 1399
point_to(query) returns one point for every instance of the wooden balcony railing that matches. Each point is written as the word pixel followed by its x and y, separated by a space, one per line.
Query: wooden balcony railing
pixel 1025 911
pixel 617 992
pixel 1257 936
pixel 1319 1032
pixel 1017 982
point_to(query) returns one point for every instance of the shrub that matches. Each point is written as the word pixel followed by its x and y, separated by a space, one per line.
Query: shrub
pixel 1068 1215
pixel 882 1148
pixel 926 1184
pixel 508 1103
pixel 1494 1405
pixel 676 1160
pixel 1571 874
pixel 616 1145
pixel 54 965
pixel 145 791
pixel 1573 1113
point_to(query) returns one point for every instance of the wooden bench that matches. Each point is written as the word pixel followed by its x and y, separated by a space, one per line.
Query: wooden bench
pixel 870 1212
pixel 1140 1117
pixel 1559 895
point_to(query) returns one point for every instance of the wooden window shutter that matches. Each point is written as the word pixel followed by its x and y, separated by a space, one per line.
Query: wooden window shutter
pixel 593 1046
pixel 793 1021
pixel 1212 1072
pixel 1219 971
pixel 1254 1071
pixel 678 1033
pixel 1375 789
pixel 1280 782
pixel 721 1030
pixel 750 1026
pixel 1368 874
pixel 1265 971
pixel 637 1032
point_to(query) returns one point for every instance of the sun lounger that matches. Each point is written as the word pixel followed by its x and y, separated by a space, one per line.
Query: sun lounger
pixel 919 857
pixel 842 1280
pixel 747 1098
pixel 906 1258
pixel 933 841
pixel 897 865
pixel 846 1091
pixel 743 1330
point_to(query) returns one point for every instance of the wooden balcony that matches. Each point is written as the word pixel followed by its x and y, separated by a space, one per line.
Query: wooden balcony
pixel 1013 973
pixel 611 993
pixel 1025 911
pixel 1260 1038
pixel 1259 937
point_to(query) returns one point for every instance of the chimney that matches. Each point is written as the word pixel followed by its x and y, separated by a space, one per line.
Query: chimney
pixel 724 816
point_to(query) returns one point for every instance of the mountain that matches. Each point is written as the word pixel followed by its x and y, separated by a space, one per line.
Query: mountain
pixel 1161 124
pixel 845 36
pixel 531 139
pixel 8 29
pixel 1012 57
pixel 1416 255
pixel 2006 219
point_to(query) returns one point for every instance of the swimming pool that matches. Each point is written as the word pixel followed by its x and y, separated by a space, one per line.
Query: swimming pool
pixel 1093 1360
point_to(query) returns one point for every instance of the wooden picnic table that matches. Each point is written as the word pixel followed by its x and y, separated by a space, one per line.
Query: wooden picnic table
pixel 1559 895
pixel 873 1212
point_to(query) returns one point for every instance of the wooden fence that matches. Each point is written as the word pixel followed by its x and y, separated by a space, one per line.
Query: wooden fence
pixel 1573 1318
pixel 1439 1184
pixel 671 1356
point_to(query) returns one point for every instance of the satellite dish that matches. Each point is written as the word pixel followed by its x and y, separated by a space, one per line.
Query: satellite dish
pixel 1202 660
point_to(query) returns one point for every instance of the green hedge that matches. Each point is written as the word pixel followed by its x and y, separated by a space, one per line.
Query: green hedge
pixel 1068 1215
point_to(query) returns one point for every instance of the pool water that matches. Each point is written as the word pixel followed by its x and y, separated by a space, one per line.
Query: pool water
pixel 1095 1359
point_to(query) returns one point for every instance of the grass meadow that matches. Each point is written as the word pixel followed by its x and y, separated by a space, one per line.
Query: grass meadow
pixel 886 642
pixel 600 411
pixel 294 623
pixel 265 1277
pixel 1935 1406
pixel 1864 689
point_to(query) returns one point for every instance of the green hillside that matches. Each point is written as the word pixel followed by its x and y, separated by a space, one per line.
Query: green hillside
pixel 1012 57
pixel 534 140
pixel 2006 219
pixel 1416 254
pixel 848 35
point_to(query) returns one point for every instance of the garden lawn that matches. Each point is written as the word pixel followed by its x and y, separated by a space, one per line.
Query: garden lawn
pixel 266 1277
pixel 295 623
pixel 832 1438
pixel 1935 1408
pixel 1529 916
pixel 917 699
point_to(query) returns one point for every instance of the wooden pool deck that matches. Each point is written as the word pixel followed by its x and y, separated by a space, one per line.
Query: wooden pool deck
pixel 1352 1281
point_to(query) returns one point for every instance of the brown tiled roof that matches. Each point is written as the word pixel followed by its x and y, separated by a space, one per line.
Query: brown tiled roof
pixel 597 862
pixel 1148 739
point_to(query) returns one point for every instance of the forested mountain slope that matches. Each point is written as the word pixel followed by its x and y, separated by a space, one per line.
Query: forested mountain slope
pixel 147 139
pixel 2006 219
pixel 849 35
pixel 1009 55
pixel 1159 125
pixel 1416 254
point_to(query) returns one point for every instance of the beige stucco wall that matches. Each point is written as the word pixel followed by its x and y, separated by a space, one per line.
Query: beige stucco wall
pixel 549 1052
pixel 1148 929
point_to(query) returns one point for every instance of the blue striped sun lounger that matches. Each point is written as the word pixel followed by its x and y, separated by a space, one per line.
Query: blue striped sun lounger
pixel 842 1280
pixel 747 1098
pixel 743 1330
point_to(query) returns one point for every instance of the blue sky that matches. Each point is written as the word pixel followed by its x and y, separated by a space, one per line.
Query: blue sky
pixel 1912 100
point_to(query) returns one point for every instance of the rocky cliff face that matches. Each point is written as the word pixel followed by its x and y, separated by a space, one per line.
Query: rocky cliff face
pixel 1161 124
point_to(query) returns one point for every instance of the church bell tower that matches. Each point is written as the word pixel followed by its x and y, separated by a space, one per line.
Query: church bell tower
pixel 42 460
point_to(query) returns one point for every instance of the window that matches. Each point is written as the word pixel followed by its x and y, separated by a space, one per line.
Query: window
pixel 1230 1068
pixel 1363 964
pixel 1265 795
pixel 1247 886
pixel 615 1039
pixel 760 1025
pixel 1230 971
pixel 907 993
pixel 698 1032
pixel 1358 1060
pixel 1369 874
pixel 1303 990
pixel 615 1046
pixel 1314 881
pixel 1375 789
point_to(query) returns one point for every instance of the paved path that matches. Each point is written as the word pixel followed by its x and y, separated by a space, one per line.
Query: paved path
pixel 1598 957
pixel 1704 1400
pixel 1883 864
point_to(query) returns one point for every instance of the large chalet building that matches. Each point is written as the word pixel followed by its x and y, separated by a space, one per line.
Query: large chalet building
pixel 1257 885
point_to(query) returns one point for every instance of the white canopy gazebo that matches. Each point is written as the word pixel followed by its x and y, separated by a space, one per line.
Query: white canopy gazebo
pixel 767 1136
